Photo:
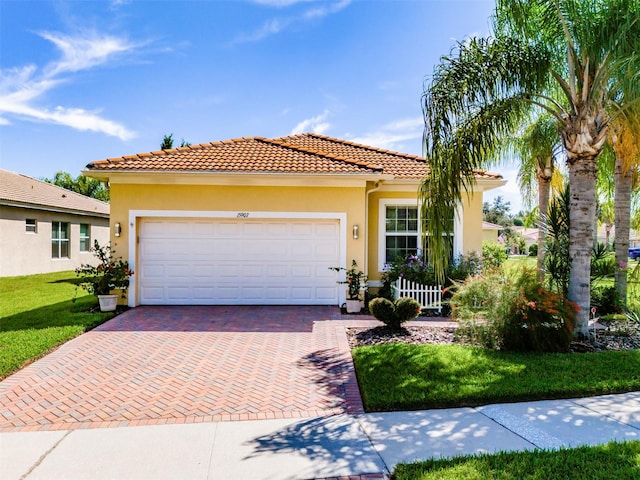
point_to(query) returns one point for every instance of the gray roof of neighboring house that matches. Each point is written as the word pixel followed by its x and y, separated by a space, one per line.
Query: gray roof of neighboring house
pixel 22 191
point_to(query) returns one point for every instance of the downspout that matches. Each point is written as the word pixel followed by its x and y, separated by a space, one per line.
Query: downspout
pixel 376 186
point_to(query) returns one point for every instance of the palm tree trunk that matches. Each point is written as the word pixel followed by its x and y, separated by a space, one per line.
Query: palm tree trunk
pixel 582 181
pixel 622 209
pixel 543 209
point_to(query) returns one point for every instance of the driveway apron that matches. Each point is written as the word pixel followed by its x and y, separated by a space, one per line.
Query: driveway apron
pixel 170 365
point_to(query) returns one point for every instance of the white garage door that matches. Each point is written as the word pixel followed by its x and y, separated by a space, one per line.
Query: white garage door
pixel 238 262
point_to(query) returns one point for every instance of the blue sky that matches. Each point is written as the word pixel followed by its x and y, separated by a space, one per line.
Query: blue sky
pixel 87 80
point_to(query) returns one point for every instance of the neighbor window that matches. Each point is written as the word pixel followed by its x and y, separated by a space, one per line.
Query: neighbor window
pixel 30 225
pixel 401 232
pixel 85 237
pixel 59 240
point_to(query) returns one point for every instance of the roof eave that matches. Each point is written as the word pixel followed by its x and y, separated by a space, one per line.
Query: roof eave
pixel 51 208
pixel 229 178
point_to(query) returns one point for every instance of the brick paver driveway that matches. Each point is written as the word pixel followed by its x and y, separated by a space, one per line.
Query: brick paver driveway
pixel 157 365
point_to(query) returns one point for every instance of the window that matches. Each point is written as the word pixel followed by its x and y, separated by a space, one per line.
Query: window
pixel 30 225
pixel 401 232
pixel 59 240
pixel 85 237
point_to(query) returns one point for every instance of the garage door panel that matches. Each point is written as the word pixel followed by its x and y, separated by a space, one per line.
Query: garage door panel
pixel 238 261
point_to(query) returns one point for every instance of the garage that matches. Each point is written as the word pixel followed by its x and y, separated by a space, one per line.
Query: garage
pixel 238 261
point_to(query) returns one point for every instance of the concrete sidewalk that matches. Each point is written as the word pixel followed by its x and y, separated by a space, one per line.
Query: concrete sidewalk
pixel 364 446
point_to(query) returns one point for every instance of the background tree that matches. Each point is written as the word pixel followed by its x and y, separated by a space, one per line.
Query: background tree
pixel 87 186
pixel 497 212
pixel 167 142
pixel 538 148
pixel 626 146
pixel 487 87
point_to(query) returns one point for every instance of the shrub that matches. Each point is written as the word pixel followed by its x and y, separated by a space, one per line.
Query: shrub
pixel 606 300
pixel 355 279
pixel 533 250
pixel 394 314
pixel 109 274
pixel 464 266
pixel 493 256
pixel 513 313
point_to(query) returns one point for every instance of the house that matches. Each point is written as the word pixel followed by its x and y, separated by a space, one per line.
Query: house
pixel 529 234
pixel 260 221
pixel 45 228
pixel 491 232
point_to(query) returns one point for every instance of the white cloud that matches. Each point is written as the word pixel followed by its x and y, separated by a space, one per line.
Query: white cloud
pixel 276 25
pixel 82 53
pixel 21 87
pixel 317 124
pixel 392 135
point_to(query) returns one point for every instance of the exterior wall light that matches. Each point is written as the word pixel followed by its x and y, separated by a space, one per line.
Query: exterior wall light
pixel 355 232
pixel 117 229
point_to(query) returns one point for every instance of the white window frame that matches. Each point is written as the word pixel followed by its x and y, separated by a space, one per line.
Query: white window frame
pixel 59 240
pixel 81 237
pixel 27 225
pixel 411 202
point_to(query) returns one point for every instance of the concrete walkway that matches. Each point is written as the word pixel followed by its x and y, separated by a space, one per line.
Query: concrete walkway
pixel 364 446
pixel 249 393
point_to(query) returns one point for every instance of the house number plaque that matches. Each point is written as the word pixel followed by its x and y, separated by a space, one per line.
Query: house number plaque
pixel 243 215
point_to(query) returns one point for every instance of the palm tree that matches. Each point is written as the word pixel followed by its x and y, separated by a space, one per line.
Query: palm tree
pixel 627 162
pixel 480 93
pixel 537 149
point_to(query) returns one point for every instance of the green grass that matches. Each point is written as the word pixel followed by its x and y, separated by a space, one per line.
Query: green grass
pixel 620 461
pixel 411 377
pixel 518 261
pixel 37 315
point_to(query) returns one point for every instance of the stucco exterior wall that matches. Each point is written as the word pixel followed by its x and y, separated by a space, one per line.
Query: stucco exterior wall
pixel 350 200
pixel 490 236
pixel 470 221
pixel 26 253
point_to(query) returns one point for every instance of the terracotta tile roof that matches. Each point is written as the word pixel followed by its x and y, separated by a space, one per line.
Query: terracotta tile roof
pixel 20 190
pixel 306 153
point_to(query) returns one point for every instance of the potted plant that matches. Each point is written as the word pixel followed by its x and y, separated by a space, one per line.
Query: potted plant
pixel 357 284
pixel 109 274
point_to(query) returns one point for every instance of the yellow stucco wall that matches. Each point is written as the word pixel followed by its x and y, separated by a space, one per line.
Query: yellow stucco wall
pixel 349 200
pixel 471 224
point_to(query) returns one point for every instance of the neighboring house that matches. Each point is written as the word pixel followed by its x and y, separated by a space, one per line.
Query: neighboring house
pixel 45 228
pixel 260 221
pixel 530 236
pixel 607 234
pixel 491 231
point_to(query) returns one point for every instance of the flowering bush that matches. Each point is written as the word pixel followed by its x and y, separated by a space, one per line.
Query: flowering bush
pixel 111 273
pixel 416 269
pixel 356 280
pixel 513 313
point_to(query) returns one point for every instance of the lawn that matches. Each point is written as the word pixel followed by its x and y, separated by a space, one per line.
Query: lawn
pixel 604 462
pixel 37 314
pixel 410 377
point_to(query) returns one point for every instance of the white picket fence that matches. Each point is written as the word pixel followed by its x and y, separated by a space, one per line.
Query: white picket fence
pixel 428 296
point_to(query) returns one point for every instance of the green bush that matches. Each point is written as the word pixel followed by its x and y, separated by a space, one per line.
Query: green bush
pixel 513 312
pixel 394 314
pixel 493 256
pixel 533 250
pixel 606 300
